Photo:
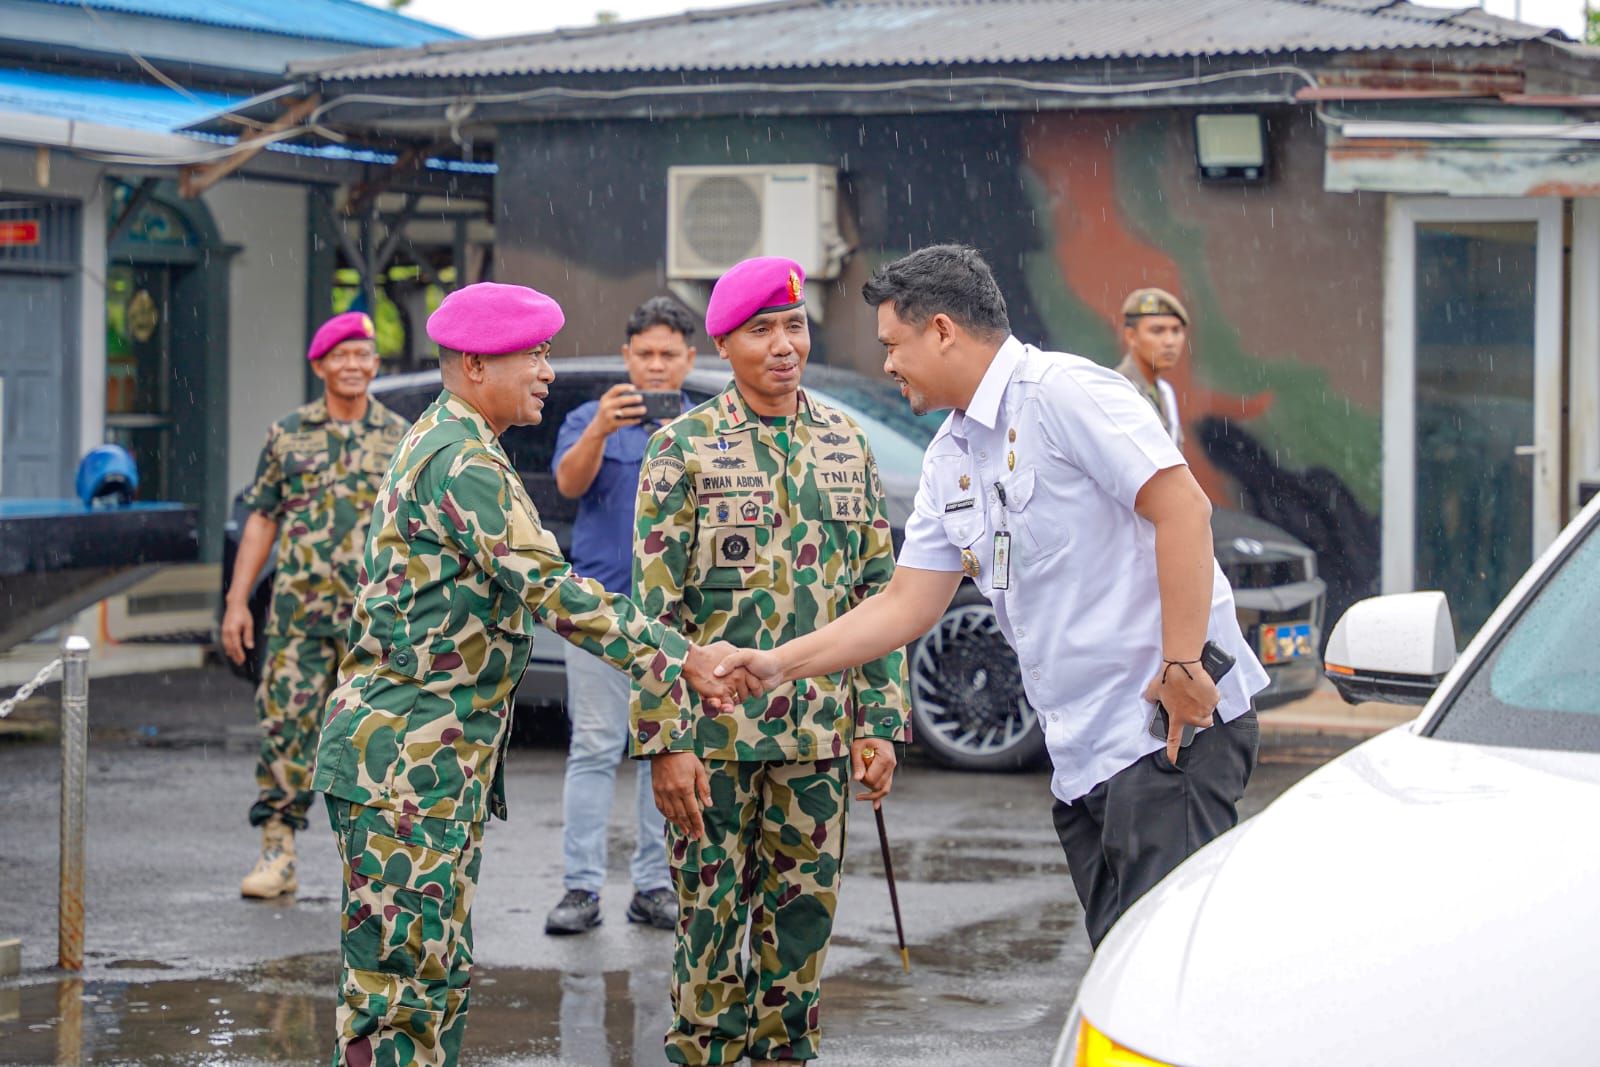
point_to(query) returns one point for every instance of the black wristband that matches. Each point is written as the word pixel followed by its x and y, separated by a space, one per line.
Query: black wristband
pixel 1181 664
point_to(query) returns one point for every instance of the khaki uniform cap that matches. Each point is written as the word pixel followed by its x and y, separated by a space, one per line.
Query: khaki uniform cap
pixel 1143 302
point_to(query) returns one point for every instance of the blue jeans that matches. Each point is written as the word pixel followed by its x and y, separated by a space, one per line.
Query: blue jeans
pixel 597 705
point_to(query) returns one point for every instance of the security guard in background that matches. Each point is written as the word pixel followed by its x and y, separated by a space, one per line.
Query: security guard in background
pixel 459 573
pixel 761 518
pixel 314 490
pixel 1155 332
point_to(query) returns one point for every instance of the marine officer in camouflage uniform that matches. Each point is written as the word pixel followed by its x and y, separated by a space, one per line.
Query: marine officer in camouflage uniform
pixel 315 484
pixel 458 572
pixel 1155 332
pixel 761 518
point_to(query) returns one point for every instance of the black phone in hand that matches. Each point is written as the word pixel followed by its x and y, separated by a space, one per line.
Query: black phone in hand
pixel 1215 662
pixel 661 405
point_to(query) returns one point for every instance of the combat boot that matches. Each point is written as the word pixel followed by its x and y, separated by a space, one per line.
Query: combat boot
pixel 274 872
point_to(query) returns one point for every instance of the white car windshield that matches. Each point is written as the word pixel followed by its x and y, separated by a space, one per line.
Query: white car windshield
pixel 1538 686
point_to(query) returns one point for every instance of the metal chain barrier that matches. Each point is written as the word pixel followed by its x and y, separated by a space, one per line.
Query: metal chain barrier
pixel 9 705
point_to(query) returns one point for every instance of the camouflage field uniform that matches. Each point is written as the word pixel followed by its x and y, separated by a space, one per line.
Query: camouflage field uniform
pixel 318 483
pixel 757 533
pixel 458 573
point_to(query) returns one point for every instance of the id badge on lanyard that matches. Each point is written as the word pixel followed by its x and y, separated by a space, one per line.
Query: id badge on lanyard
pixel 1000 574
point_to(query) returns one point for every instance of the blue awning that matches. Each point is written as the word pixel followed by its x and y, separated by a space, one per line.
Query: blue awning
pixel 350 22
pixel 106 102
pixel 157 109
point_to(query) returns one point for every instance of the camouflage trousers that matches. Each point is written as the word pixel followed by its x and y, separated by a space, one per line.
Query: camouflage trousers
pixel 763 882
pixel 296 677
pixel 406 942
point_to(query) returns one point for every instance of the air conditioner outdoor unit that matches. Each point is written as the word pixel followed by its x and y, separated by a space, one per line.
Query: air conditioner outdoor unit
pixel 717 216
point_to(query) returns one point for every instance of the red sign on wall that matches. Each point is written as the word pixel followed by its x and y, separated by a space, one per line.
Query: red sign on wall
pixel 18 233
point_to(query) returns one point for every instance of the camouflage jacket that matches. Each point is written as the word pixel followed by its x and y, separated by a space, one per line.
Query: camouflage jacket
pixel 318 485
pixel 757 534
pixel 457 573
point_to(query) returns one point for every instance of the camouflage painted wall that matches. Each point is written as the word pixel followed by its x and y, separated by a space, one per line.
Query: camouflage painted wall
pixel 1073 209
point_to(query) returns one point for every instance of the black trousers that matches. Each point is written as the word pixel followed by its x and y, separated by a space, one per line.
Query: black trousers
pixel 1128 832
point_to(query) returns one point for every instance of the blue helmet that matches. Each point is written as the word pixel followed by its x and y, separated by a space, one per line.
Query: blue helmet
pixel 107 471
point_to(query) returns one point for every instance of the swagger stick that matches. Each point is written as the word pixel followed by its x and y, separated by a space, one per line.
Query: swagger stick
pixel 867 756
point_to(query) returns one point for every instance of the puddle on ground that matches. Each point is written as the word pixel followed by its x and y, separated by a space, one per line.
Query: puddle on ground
pixel 952 861
pixel 283 1012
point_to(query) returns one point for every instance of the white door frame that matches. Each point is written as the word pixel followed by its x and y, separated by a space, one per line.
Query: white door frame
pixel 1400 364
pixel 1583 348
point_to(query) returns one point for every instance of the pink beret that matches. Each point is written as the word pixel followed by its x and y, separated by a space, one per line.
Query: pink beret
pixel 751 288
pixel 491 319
pixel 351 326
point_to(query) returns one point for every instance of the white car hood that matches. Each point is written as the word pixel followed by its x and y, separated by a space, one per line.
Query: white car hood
pixel 1415 901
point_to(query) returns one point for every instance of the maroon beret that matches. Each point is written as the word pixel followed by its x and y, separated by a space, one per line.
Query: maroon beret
pixel 751 288
pixel 491 319
pixel 351 326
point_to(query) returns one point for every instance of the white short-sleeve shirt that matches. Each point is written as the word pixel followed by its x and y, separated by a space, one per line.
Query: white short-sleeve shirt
pixel 1066 445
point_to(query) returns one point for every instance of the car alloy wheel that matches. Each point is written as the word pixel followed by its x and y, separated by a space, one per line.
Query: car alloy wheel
pixel 968 703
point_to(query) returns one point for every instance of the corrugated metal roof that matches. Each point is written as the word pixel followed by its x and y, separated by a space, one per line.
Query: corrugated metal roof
pixel 129 105
pixel 873 33
pixel 345 21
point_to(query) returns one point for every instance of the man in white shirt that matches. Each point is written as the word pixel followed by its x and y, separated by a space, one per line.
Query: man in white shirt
pixel 1155 331
pixel 1055 488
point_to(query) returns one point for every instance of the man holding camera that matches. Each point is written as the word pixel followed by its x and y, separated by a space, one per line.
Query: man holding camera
pixel 598 452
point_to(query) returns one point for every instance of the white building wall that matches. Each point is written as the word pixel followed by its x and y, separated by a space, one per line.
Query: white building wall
pixel 267 222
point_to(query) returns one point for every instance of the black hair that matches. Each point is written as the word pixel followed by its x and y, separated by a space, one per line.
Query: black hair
pixel 942 279
pixel 660 311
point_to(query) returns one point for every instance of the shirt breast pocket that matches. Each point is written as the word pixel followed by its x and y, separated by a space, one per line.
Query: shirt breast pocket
pixel 735 543
pixel 963 528
pixel 1032 536
pixel 305 474
pixel 847 505
pixel 375 461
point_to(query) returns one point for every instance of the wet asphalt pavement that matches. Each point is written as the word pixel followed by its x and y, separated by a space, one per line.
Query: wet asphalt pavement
pixel 180 970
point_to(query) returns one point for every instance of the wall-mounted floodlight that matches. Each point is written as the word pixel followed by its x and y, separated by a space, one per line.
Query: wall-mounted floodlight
pixel 1231 147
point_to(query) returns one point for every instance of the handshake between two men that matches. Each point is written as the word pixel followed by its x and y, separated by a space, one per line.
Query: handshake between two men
pixel 726 676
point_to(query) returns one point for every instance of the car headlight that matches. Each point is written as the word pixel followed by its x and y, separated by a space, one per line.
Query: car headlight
pixel 1088 1047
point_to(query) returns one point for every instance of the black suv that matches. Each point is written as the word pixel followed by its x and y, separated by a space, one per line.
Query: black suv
pixel 968 705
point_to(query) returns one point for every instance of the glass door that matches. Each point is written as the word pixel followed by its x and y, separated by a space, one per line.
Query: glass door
pixel 138 401
pixel 1472 479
